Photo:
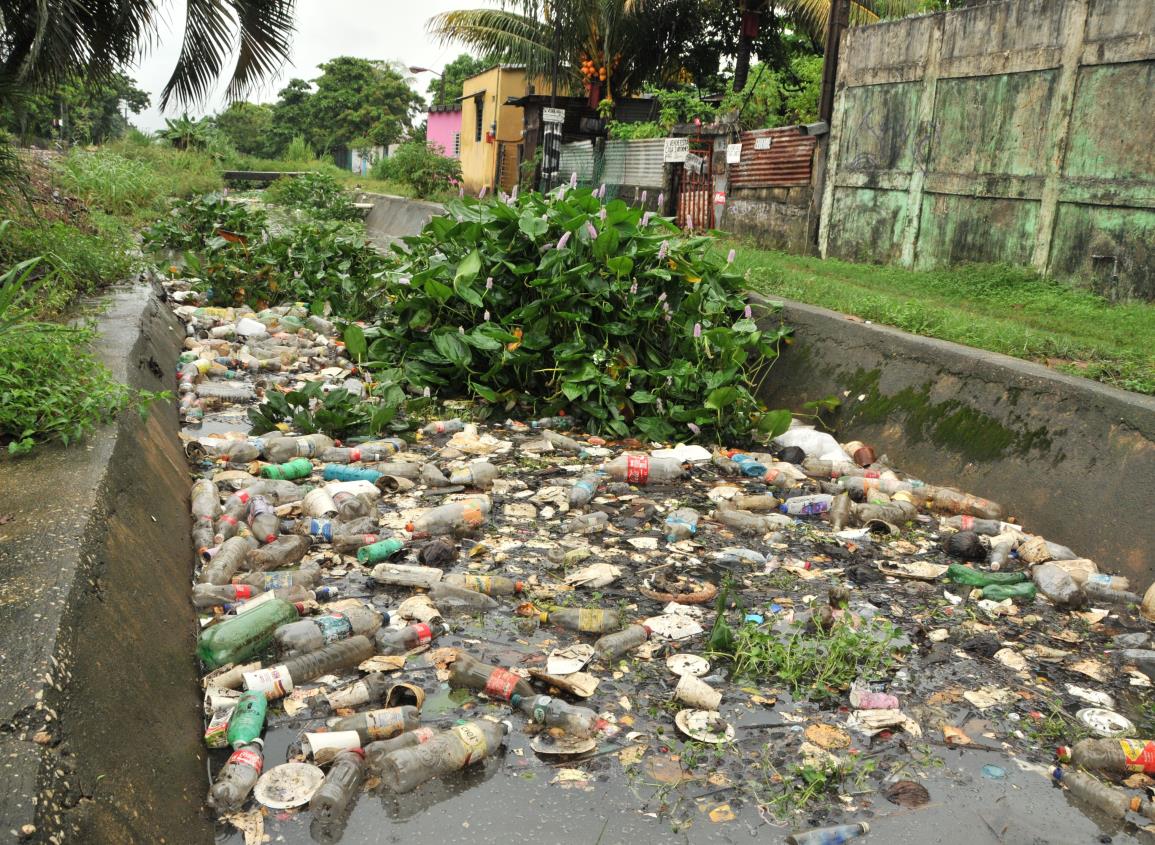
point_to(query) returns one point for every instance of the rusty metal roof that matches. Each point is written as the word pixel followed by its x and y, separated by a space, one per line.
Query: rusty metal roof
pixel 785 164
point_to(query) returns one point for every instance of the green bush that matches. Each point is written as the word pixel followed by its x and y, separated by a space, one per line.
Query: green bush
pixel 316 193
pixel 191 223
pixel 419 165
pixel 116 184
pixel 559 302
pixel 178 173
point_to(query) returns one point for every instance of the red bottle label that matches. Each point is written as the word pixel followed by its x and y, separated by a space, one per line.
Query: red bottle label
pixel 501 684
pixel 243 591
pixel 471 515
pixel 230 520
pixel 354 455
pixel 1140 756
pixel 424 633
pixel 245 757
pixel 637 469
pixel 967 523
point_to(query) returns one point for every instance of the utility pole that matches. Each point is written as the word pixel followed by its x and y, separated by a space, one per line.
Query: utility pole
pixel 556 56
pixel 838 21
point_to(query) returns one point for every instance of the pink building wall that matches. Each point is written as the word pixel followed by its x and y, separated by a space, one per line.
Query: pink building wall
pixel 444 125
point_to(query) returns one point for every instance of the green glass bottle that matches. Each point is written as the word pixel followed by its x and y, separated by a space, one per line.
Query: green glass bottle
pixel 246 635
pixel 248 719
pixel 965 575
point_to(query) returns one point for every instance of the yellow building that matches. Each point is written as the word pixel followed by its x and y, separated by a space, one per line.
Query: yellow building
pixel 491 132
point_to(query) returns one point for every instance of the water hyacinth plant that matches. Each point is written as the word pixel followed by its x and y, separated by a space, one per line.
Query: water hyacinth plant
pixel 627 325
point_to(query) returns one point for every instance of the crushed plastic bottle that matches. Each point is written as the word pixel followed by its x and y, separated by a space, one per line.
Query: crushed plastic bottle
pixel 449 751
pixel 241 637
pixel 642 469
pixel 227 559
pixel 205 510
pixel 308 576
pixel 491 585
pixel 443 427
pixel 467 673
pixel 586 523
pixel 591 620
pixel 466 514
pixel 340 786
pixel 479 474
pixel 554 713
pixel 585 488
pixel 382 724
pixel 263 520
pixel 316 632
pixel 376 752
pixel 236 779
pixel 612 646
pixel 682 524
pixel 1113 756
pixel 451 599
pixel 278 681
pixel 401 640
pixel 285 550
pixel 1058 586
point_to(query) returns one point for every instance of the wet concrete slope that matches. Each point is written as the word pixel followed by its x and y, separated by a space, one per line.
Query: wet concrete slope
pixel 393 217
pixel 100 729
pixel 1074 460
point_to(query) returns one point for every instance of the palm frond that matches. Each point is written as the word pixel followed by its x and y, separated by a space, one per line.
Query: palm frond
pixel 265 29
pixel 497 34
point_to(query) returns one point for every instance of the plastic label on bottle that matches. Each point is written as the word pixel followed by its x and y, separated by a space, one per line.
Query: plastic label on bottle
pixel 439 427
pixel 216 734
pixel 1100 578
pixel 351 696
pixel 478 583
pixel 242 591
pixel 637 469
pixel 333 627
pixel 354 455
pixel 384 724
pixel 424 735
pixel 247 757
pixel 500 684
pixel 228 519
pixel 590 619
pixel 540 707
pixel 253 603
pixel 306 448
pixel 277 580
pixel 424 633
pixel 471 515
pixel 1140 757
pixel 274 682
pixel 472 740
pixel 322 528
pixel 967 523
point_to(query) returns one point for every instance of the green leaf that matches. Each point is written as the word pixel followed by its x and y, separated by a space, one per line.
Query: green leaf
pixel 774 423
pixel 468 269
pixel 484 392
pixel 573 390
pixel 643 397
pixel 721 398
pixel 606 244
pixel 355 341
pixel 622 265
pixel 452 347
pixel 532 225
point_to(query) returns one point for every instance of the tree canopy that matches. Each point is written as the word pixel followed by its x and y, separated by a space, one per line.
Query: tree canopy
pixel 445 89
pixel 91 112
pixel 249 127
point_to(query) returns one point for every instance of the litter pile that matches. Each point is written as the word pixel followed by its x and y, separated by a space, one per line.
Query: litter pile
pixel 784 635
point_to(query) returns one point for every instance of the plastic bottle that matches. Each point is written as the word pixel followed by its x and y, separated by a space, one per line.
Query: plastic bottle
pixel 841 510
pixel 642 469
pixel 865 485
pixel 555 713
pixel 585 488
pixel 1105 798
pixel 1114 756
pixel 234 510
pixel 989 527
pixel 316 632
pixel 307 576
pixel 724 465
pixel 263 520
pixel 371 688
pixel 237 639
pixel 283 551
pixel 288 471
pixel 490 585
pixel 356 454
pixel 451 599
pixel 295 594
pixel 468 673
pixel 756 504
pixel 683 524
pixel 1096 588
pixel 227 559
pixel 829 835
pixel 214 595
pixel 752 523
pixel 953 501
pixel 340 785
pixel 750 467
pixel 1058 586
pixel 348 544
pixel 443 427
pixel 1024 590
pixel 323 530
pixel 286 448
pixel 612 646
pixel 278 681
pixel 479 474
pixel 401 640
pixel 591 620
pixel 374 725
pixel 337 472
pixel 586 523
pixel 405 575
pixel 818 468
pixel 814 505
pixel 240 451
pixel 960 574
pixel 247 719
pixel 376 752
pixel 407 768
pixel 419 608
pixel 465 514
pixel 228 392
pixel 560 441
pixel 1001 547
pixel 380 550
pixel 237 778
pixel 206 507
pixel 897 512
pixel 352 506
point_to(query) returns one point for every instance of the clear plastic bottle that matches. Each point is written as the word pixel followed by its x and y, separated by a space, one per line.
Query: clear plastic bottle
pixel 241 637
pixel 591 620
pixel 466 514
pixel 286 448
pixel 1097 590
pixel 405 575
pixel 218 595
pixel 897 512
pixel 234 510
pixel 1058 586
pixel 467 673
pixel 375 725
pixel 206 507
pixel 1107 799
pixel 565 444
pixel 295 594
pixel 348 544
pixel 642 469
pixel 834 835
pixel 401 640
pixel 554 713
pixel 278 681
pixel 263 520
pixel 814 505
pixel 612 646
pixel 443 427
pixel 683 524
pixel 352 506
pixel 308 576
pixel 1113 756
pixel 316 632
pixel 247 719
pixel 451 599
pixel 866 484
pixel 357 454
pixel 380 550
pixel 285 550
pixel 586 523
pixel 324 530
pixel 340 785
pixel 479 474
pixel 949 500
pixel 491 585
pixel 552 422
pixel 228 392
pixel 376 752
pixel 227 559
pixel 585 488
pixel 841 510
pixel 818 468
pixel 240 451
pixel 371 688
pixel 237 778
pixel 449 751
pixel 752 523
pixel 1001 547
pixel 990 527
pixel 756 504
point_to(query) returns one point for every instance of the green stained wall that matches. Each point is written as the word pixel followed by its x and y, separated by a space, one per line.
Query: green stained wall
pixel 1017 131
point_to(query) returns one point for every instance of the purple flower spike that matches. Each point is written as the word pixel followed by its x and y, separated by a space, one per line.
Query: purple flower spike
pixel 602 191
pixel 644 195
pixel 573 179
pixel 602 213
pixel 663 250
pixel 634 287
pixel 661 201
pixel 693 428
pixel 646 218
pixel 731 256
pixel 563 240
pixel 749 312
pixel 689 223
pixel 485 316
pixel 489 283
pixel 697 329
pixel 481 193
pixel 591 231
pixel 662 298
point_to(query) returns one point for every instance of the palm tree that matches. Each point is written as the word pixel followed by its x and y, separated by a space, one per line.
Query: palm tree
pixel 42 41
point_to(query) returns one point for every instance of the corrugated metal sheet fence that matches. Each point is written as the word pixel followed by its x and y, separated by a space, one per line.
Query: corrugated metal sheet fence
pixel 774 158
pixel 617 164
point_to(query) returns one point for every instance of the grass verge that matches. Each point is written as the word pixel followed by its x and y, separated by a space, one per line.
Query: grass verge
pixel 1001 309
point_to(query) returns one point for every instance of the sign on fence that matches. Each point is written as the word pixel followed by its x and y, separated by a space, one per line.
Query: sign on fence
pixel 695 164
pixel 676 150
pixel 763 142
pixel 733 153
pixel 552 115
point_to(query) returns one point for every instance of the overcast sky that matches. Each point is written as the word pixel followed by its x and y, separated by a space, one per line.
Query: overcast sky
pixel 393 30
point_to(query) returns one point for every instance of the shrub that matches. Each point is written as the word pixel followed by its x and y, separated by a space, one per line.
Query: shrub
pixel 316 193
pixel 191 223
pixel 299 150
pixel 419 165
pixel 116 184
pixel 561 302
